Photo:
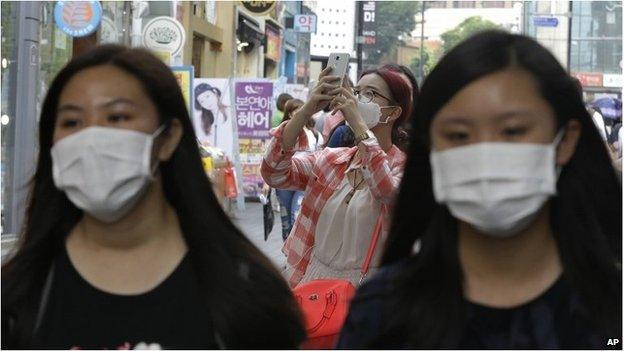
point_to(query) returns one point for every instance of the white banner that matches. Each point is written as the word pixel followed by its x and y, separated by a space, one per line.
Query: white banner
pixel 213 114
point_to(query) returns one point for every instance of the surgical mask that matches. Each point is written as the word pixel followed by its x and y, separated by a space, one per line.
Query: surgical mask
pixel 498 188
pixel 371 113
pixel 104 171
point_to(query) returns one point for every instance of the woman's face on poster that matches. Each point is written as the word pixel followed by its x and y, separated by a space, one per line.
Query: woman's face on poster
pixel 208 100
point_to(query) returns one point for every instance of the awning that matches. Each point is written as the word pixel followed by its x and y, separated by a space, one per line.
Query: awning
pixel 249 31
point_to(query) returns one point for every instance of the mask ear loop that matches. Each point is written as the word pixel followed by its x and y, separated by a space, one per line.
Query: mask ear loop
pixel 155 135
pixel 555 144
pixel 387 117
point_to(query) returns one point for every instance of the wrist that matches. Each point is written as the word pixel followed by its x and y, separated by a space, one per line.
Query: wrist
pixel 363 136
pixel 306 110
pixel 359 129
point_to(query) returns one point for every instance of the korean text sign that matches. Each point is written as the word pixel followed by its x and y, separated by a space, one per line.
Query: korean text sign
pixel 254 109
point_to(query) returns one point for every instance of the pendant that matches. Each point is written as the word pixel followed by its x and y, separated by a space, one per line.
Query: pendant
pixel 349 196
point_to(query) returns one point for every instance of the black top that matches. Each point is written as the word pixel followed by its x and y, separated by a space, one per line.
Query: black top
pixel 553 320
pixel 79 315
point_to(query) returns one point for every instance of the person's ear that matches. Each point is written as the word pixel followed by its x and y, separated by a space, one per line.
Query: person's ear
pixel 567 146
pixel 170 140
pixel 395 114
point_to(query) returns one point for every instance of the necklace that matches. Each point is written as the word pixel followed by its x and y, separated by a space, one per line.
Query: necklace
pixel 352 191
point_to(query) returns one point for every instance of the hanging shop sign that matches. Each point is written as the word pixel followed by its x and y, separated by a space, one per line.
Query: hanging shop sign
pixel 78 18
pixel 274 44
pixel 589 79
pixel 253 108
pixel 165 56
pixel 369 25
pixel 184 75
pixel 545 21
pixel 259 7
pixel 212 114
pixel 305 23
pixel 164 34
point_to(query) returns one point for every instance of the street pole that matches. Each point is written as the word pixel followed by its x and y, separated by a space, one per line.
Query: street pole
pixel 25 118
pixel 422 42
pixel 569 53
pixel 358 38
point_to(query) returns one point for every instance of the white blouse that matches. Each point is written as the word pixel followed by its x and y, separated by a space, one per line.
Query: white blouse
pixel 343 235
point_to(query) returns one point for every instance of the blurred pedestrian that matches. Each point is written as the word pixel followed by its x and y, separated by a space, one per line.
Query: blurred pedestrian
pixel 125 243
pixel 347 190
pixel 278 116
pixel 508 228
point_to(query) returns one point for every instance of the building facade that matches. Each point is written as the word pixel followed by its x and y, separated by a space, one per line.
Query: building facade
pixel 585 36
pixel 335 33
pixel 223 39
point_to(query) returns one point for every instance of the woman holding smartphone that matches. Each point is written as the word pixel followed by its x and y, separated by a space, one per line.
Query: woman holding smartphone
pixel 347 190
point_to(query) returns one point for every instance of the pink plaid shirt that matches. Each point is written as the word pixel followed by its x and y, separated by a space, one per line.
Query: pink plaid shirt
pixel 319 174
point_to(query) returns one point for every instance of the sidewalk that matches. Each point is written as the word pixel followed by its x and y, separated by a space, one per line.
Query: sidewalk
pixel 251 224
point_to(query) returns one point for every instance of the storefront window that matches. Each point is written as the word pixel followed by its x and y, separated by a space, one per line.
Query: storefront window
pixel 596 43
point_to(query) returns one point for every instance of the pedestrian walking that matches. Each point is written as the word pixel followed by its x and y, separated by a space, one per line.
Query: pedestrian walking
pixel 125 245
pixel 347 190
pixel 508 227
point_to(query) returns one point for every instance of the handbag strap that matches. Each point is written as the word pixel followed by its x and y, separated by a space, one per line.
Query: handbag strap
pixel 373 245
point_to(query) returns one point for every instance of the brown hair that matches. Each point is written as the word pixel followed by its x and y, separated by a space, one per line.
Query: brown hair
pixel 289 107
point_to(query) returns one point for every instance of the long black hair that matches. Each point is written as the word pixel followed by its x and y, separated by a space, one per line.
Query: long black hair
pixel 251 306
pixel 586 215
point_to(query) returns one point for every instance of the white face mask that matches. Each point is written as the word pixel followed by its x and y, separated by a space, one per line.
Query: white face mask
pixel 104 171
pixel 371 113
pixel 498 188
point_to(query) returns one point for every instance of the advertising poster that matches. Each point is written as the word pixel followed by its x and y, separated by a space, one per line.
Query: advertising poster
pixel 213 114
pixel 184 76
pixel 253 107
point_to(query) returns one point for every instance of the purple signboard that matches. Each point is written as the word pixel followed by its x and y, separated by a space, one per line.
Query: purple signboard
pixel 254 109
pixel 254 102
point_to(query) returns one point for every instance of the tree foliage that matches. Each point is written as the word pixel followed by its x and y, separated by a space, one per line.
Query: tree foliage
pixel 393 19
pixel 429 60
pixel 469 27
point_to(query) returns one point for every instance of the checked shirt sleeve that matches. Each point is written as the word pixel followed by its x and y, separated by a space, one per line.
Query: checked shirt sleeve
pixel 282 169
pixel 381 171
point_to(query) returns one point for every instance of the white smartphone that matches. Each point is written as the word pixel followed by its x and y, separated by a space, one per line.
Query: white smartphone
pixel 340 63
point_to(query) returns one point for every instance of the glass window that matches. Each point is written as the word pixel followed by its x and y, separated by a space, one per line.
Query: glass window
pixel 596 43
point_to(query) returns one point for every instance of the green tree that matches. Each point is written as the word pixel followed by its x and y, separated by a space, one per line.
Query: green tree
pixel 393 19
pixel 429 60
pixel 469 27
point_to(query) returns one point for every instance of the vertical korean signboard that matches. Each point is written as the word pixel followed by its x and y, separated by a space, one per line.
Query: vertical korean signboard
pixel 253 104
pixel 369 26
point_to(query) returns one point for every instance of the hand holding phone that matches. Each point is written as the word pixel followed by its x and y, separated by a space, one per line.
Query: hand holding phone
pixel 339 63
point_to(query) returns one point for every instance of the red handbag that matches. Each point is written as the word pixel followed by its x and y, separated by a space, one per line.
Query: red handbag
pixel 325 303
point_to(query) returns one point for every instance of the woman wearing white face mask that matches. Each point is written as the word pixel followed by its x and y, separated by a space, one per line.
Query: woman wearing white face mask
pixel 125 244
pixel 348 191
pixel 515 239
